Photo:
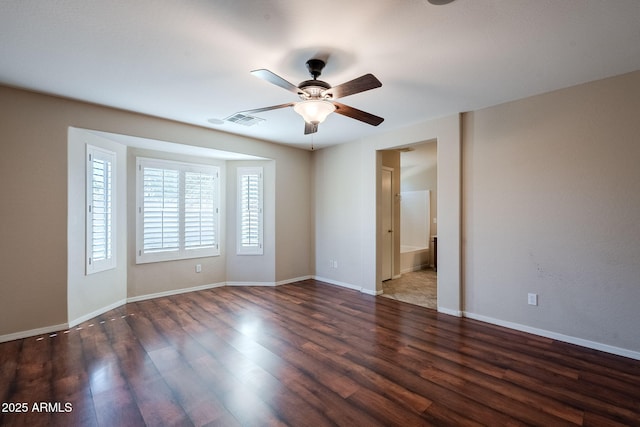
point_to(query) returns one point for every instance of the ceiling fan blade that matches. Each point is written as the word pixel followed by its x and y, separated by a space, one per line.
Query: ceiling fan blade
pixel 273 107
pixel 310 128
pixel 354 113
pixel 361 84
pixel 276 80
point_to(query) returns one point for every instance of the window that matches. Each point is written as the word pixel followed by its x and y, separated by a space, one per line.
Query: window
pixel 249 211
pixel 100 220
pixel 178 210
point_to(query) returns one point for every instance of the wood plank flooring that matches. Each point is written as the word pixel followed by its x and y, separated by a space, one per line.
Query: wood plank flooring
pixel 306 354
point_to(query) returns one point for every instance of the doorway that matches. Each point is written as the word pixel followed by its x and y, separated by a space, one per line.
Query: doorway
pixel 415 279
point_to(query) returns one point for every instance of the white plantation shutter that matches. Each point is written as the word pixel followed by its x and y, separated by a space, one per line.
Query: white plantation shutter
pixel 200 212
pixel 178 212
pixel 161 210
pixel 100 220
pixel 250 211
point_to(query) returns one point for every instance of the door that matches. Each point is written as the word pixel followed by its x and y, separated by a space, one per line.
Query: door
pixel 386 231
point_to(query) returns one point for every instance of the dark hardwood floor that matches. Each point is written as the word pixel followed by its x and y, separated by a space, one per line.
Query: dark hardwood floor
pixel 306 354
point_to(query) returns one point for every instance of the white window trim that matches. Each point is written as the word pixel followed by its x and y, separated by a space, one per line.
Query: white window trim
pixel 181 252
pixel 257 249
pixel 92 265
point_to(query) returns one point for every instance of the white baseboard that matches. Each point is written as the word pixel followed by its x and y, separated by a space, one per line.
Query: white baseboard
pixel 34 332
pixel 251 283
pixel 347 285
pixel 450 311
pixel 337 283
pixel 174 292
pixel 294 280
pixel 98 312
pixel 370 292
pixel 279 283
pixel 556 336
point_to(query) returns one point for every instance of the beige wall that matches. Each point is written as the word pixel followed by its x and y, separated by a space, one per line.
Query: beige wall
pixel 551 206
pixel 340 214
pixel 293 217
pixel 34 211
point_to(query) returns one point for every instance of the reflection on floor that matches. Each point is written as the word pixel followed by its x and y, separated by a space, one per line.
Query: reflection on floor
pixel 417 287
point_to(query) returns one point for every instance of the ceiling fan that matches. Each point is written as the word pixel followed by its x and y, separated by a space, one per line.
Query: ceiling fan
pixel 317 97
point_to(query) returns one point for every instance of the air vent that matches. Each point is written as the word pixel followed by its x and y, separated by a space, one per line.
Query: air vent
pixel 244 119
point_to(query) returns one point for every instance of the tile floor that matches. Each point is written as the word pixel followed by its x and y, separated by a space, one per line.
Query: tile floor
pixel 417 287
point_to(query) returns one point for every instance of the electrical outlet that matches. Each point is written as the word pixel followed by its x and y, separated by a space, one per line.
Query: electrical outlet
pixel 198 268
pixel 532 299
pixel 335 264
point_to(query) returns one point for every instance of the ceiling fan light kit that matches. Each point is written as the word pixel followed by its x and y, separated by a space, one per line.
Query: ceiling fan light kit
pixel 317 96
pixel 314 111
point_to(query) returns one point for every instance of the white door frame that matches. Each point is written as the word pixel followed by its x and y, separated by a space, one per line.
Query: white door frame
pixel 386 230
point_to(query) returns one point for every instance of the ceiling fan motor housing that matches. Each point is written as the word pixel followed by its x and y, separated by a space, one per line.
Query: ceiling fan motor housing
pixel 312 89
pixel 315 67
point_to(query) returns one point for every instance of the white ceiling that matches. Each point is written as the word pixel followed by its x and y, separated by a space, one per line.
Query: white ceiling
pixel 190 60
